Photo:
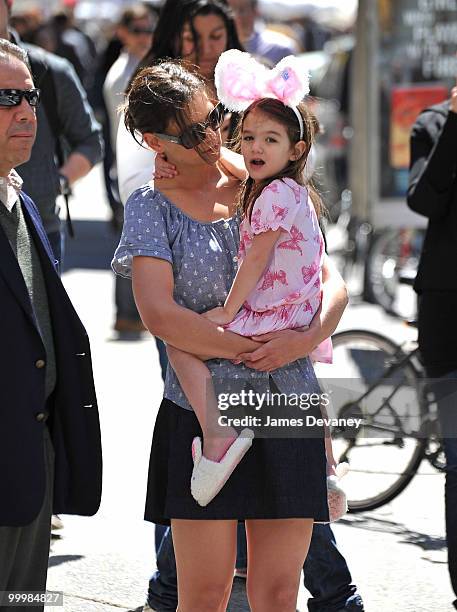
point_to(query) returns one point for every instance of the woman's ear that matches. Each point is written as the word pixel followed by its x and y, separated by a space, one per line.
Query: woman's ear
pixel 298 150
pixel 153 142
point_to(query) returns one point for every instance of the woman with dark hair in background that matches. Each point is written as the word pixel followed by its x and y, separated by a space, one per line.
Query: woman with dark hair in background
pixel 196 31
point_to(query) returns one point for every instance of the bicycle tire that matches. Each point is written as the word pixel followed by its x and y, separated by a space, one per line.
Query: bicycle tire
pixel 383 344
pixel 385 268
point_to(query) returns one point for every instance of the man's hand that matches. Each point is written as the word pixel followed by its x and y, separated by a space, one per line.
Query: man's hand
pixel 279 349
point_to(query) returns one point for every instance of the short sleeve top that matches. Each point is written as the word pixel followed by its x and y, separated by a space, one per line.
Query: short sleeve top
pixel 204 259
pixel 292 275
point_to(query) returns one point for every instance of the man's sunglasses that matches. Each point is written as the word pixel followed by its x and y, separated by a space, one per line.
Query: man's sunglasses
pixel 13 97
pixel 195 134
pixel 138 30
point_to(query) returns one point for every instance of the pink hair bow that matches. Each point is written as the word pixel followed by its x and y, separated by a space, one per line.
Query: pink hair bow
pixel 240 80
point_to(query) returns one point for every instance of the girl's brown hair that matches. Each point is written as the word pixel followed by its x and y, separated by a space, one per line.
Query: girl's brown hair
pixel 250 190
pixel 160 95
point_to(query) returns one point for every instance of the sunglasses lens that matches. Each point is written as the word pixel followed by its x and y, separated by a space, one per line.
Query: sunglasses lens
pixel 33 97
pixel 195 134
pixel 10 99
pixel 216 117
pixel 14 97
pixel 193 137
pixel 141 30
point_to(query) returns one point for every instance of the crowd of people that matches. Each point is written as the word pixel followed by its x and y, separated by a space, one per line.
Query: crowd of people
pixel 207 168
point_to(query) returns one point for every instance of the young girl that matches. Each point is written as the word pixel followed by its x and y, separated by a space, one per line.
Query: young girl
pixel 278 283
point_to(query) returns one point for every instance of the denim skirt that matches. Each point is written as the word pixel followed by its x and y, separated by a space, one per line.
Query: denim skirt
pixel 278 478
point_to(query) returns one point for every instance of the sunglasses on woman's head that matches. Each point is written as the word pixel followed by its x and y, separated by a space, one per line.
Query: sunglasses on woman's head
pixel 13 97
pixel 139 30
pixel 195 134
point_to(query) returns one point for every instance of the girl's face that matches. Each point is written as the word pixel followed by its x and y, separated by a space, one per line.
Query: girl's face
pixel 210 43
pixel 265 146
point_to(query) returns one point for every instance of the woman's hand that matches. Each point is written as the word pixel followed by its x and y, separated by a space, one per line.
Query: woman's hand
pixel 163 168
pixel 218 315
pixel 279 349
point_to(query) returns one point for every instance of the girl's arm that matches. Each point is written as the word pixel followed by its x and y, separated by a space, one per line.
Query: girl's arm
pixel 178 326
pixel 280 348
pixel 247 276
pixel 233 163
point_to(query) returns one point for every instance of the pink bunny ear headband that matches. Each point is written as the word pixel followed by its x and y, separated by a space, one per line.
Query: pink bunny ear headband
pixel 241 80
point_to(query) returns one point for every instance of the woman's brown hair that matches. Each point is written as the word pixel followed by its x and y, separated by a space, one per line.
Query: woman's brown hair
pixel 295 170
pixel 160 95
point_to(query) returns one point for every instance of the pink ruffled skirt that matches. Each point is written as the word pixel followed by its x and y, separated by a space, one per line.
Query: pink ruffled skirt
pixel 290 316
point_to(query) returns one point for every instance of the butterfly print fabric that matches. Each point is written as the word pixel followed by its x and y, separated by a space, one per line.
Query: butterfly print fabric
pixel 288 294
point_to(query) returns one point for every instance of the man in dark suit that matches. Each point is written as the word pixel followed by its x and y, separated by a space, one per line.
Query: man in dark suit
pixel 432 192
pixel 50 451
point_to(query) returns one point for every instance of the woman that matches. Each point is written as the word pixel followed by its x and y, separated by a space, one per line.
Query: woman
pixel 179 245
pixel 197 31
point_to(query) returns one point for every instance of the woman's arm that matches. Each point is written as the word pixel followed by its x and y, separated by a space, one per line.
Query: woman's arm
pixel 280 348
pixel 247 277
pixel 180 327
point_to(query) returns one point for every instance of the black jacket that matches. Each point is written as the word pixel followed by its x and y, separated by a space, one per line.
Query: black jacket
pixel 432 192
pixel 73 420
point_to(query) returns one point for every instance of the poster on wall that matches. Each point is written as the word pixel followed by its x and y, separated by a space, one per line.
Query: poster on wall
pixel 407 102
pixel 418 66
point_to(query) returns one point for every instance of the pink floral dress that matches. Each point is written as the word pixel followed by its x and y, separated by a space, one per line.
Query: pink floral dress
pixel 288 293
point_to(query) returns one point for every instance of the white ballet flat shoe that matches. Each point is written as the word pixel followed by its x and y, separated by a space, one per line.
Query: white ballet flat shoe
pixel 336 496
pixel 208 477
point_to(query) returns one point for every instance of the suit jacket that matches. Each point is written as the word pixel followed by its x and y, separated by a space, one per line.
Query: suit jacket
pixel 73 414
pixel 432 192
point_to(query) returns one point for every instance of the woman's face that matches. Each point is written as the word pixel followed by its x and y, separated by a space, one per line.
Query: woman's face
pixel 211 41
pixel 209 150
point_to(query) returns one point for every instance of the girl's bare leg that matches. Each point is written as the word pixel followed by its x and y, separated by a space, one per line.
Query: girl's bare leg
pixel 195 380
pixel 277 550
pixel 205 557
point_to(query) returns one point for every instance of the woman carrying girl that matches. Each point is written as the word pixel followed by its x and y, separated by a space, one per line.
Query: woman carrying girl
pixel 278 282
pixel 178 245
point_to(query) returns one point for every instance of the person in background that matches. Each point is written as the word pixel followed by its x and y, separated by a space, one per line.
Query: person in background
pixel 50 446
pixel 135 31
pixel 106 58
pixel 256 39
pixel 75 45
pixel 27 22
pixel 64 116
pixel 432 192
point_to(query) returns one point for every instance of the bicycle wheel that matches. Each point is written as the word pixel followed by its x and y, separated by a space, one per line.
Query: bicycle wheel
pixel 390 269
pixel 371 378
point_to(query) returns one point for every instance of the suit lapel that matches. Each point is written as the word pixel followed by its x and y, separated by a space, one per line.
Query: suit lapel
pixel 9 267
pixel 11 272
pixel 36 229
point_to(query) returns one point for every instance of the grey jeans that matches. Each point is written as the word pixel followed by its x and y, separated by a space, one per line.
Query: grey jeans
pixel 24 551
